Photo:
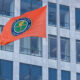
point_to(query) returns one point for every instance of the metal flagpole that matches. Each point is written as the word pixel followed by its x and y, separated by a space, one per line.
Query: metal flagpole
pixel 58 43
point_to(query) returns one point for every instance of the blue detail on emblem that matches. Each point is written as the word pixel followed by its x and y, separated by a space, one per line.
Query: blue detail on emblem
pixel 27 27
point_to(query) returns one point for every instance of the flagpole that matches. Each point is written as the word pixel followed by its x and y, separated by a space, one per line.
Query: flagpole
pixel 58 43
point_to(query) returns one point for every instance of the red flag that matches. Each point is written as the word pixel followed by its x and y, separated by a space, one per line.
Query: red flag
pixel 32 23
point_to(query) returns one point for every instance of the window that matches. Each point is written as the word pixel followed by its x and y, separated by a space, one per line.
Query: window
pixel 52 74
pixel 64 17
pixel 65 49
pixel 52 47
pixel 7 7
pixel 78 76
pixel 77 16
pixel 6 70
pixel 30 72
pixel 31 46
pixel 65 75
pixel 8 47
pixel 1 27
pixel 78 51
pixel 52 14
pixel 30 5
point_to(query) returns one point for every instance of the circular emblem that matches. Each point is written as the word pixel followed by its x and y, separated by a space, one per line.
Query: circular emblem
pixel 20 26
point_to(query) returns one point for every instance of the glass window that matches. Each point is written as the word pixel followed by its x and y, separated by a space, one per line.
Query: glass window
pixel 31 46
pixel 6 70
pixel 8 47
pixel 36 73
pixel 78 76
pixel 7 7
pixel 30 72
pixel 65 49
pixel 24 72
pixel 65 75
pixel 64 17
pixel 77 16
pixel 78 51
pixel 30 5
pixel 52 47
pixel 26 3
pixel 51 14
pixel 1 27
pixel 52 74
pixel 37 2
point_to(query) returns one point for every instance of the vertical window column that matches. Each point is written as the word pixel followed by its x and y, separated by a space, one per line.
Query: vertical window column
pixel 31 45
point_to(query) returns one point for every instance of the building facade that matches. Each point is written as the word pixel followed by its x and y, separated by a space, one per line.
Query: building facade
pixel 56 57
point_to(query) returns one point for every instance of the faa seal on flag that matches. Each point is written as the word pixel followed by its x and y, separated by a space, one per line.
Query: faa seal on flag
pixel 20 26
pixel 30 24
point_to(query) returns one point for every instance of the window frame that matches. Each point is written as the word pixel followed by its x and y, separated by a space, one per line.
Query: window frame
pixel 65 38
pixel 53 37
pixel 53 25
pixel 3 48
pixel 2 9
pixel 68 28
pixel 30 69
pixel 77 41
pixel 29 53
pixel 67 72
pixel 75 19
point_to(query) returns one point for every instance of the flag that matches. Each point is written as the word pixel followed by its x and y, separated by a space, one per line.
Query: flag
pixel 30 24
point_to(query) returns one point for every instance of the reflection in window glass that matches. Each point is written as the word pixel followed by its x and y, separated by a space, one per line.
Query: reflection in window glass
pixel 65 49
pixel 51 14
pixel 6 70
pixel 77 15
pixel 78 76
pixel 30 72
pixel 30 5
pixel 36 73
pixel 36 46
pixel 1 27
pixel 37 2
pixel 26 3
pixel 8 47
pixel 31 46
pixel 52 47
pixel 65 75
pixel 7 7
pixel 64 16
pixel 24 72
pixel 52 74
pixel 78 51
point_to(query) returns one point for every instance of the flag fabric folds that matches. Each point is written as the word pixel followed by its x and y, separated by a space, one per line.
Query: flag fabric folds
pixel 30 24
